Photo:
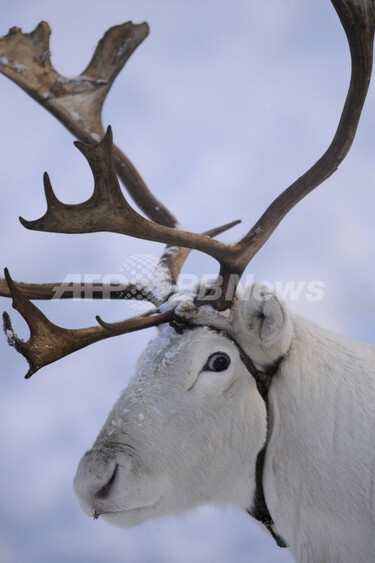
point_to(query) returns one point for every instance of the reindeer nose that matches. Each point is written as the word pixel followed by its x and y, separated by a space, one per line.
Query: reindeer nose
pixel 105 490
pixel 94 480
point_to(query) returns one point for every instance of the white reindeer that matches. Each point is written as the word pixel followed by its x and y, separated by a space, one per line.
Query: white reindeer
pixel 189 426
pixel 236 401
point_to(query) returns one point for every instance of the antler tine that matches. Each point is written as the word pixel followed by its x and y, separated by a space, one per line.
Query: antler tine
pixel 49 342
pixel 174 257
pixel 358 20
pixel 77 102
pixel 108 210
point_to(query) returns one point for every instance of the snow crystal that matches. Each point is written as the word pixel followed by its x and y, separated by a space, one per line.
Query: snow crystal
pixel 4 61
pixel 84 78
pixel 123 48
pixel 11 337
pixel 171 251
pixel 62 79
pixel 186 307
pixel 18 67
pixel 174 350
pixel 74 115
pixel 81 79
pixel 211 311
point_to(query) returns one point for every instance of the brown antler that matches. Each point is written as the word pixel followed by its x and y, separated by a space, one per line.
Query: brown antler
pixel 59 290
pixel 49 342
pixel 358 20
pixel 107 209
pixel 77 102
pixel 172 261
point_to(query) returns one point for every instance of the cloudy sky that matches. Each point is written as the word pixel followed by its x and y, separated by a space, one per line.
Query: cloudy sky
pixel 221 108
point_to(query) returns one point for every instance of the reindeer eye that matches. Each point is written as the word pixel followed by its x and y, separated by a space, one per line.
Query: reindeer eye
pixel 217 362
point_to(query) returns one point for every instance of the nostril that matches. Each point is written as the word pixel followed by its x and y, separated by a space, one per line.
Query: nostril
pixel 105 490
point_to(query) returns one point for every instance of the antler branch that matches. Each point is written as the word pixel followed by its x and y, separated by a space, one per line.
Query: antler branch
pixel 358 20
pixel 49 342
pixel 77 102
pixel 172 261
pixel 108 210
pixel 357 17
pixel 59 290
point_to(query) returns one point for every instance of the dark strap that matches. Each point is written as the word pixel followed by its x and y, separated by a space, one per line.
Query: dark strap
pixel 259 509
pixel 263 380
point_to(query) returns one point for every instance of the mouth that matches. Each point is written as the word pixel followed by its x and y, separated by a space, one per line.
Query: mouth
pixel 128 517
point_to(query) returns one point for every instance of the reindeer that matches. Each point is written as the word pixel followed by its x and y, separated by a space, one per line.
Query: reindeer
pixel 236 401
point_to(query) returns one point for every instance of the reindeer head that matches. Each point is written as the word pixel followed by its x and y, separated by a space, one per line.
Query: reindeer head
pixel 188 428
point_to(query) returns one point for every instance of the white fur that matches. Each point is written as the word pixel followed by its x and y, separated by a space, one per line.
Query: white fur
pixel 182 436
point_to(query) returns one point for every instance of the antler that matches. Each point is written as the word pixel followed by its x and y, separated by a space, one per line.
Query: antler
pixel 358 20
pixel 171 261
pixel 49 342
pixel 77 102
pixel 108 210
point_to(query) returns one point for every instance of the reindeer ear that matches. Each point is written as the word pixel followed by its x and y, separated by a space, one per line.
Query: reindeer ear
pixel 263 317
